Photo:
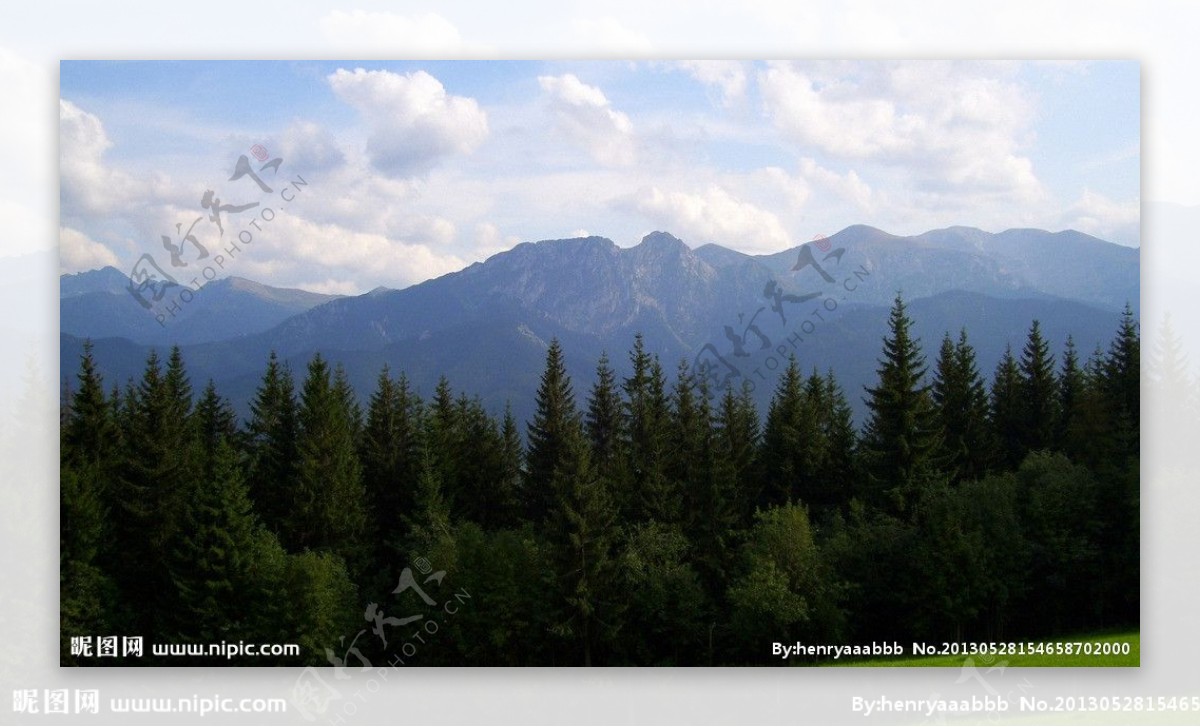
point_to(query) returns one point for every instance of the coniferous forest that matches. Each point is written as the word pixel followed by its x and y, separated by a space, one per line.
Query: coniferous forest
pixel 640 520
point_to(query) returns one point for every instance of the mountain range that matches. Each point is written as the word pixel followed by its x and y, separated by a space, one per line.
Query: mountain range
pixel 487 327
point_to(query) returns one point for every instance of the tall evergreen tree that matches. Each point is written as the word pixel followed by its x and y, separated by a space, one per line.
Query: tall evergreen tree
pixel 209 561
pixel 582 531
pixel 216 422
pixel 738 431
pixel 1039 393
pixel 554 422
pixel 687 462
pixel 960 400
pixel 647 416
pixel 605 424
pixel 841 474
pixel 1121 382
pixel 391 460
pixel 272 433
pixel 149 493
pixel 330 509
pixel 1007 412
pixel 902 439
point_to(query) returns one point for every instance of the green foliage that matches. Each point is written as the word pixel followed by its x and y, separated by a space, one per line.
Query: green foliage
pixel 785 591
pixel 902 437
pixel 662 526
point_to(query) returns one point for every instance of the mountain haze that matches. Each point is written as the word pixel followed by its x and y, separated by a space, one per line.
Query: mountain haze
pixel 487 326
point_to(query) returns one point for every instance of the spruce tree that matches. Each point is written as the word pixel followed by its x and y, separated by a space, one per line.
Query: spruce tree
pixel 738 430
pixel 329 513
pixel 582 531
pixel 902 439
pixel 1007 411
pixel 960 399
pixel 554 421
pixel 272 434
pixel 647 419
pixel 1039 394
pixel 149 493
pixel 604 423
pixel 391 453
pixel 209 561
pixel 1120 383
pixel 216 422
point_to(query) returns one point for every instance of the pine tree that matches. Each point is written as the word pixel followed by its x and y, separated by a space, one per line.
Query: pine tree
pixel 157 473
pixel 687 464
pixel 554 422
pixel 841 474
pixel 1039 394
pixel 582 530
pixel 89 431
pixel 216 422
pixel 273 432
pixel 391 452
pixel 329 513
pixel 738 432
pixel 209 561
pixel 902 439
pixel 511 472
pixel 1120 383
pixel 791 445
pixel 605 425
pixel 960 399
pixel 1007 411
pixel 1071 384
pixel 647 417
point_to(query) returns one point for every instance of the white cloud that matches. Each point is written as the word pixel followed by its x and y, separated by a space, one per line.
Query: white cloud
pixel 409 36
pixel 413 122
pixel 728 76
pixel 848 187
pixel 78 252
pixel 295 252
pixel 489 240
pixel 308 146
pixel 1105 218
pixel 584 114
pixel 957 128
pixel 87 184
pixel 713 215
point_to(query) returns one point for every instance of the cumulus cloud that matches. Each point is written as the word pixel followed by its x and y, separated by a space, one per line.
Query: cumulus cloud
pixel 728 76
pixel 78 252
pixel 299 253
pixel 309 146
pixel 585 116
pixel 848 187
pixel 954 127
pixel 87 184
pixel 414 123
pixel 713 215
pixel 1105 218
pixel 407 35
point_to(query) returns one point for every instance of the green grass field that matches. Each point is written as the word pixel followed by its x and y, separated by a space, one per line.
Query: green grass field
pixel 1133 658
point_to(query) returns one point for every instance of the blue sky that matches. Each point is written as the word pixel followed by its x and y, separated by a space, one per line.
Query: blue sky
pixel 416 169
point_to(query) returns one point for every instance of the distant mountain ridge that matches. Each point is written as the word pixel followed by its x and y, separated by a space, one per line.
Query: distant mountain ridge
pixel 97 304
pixel 486 326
